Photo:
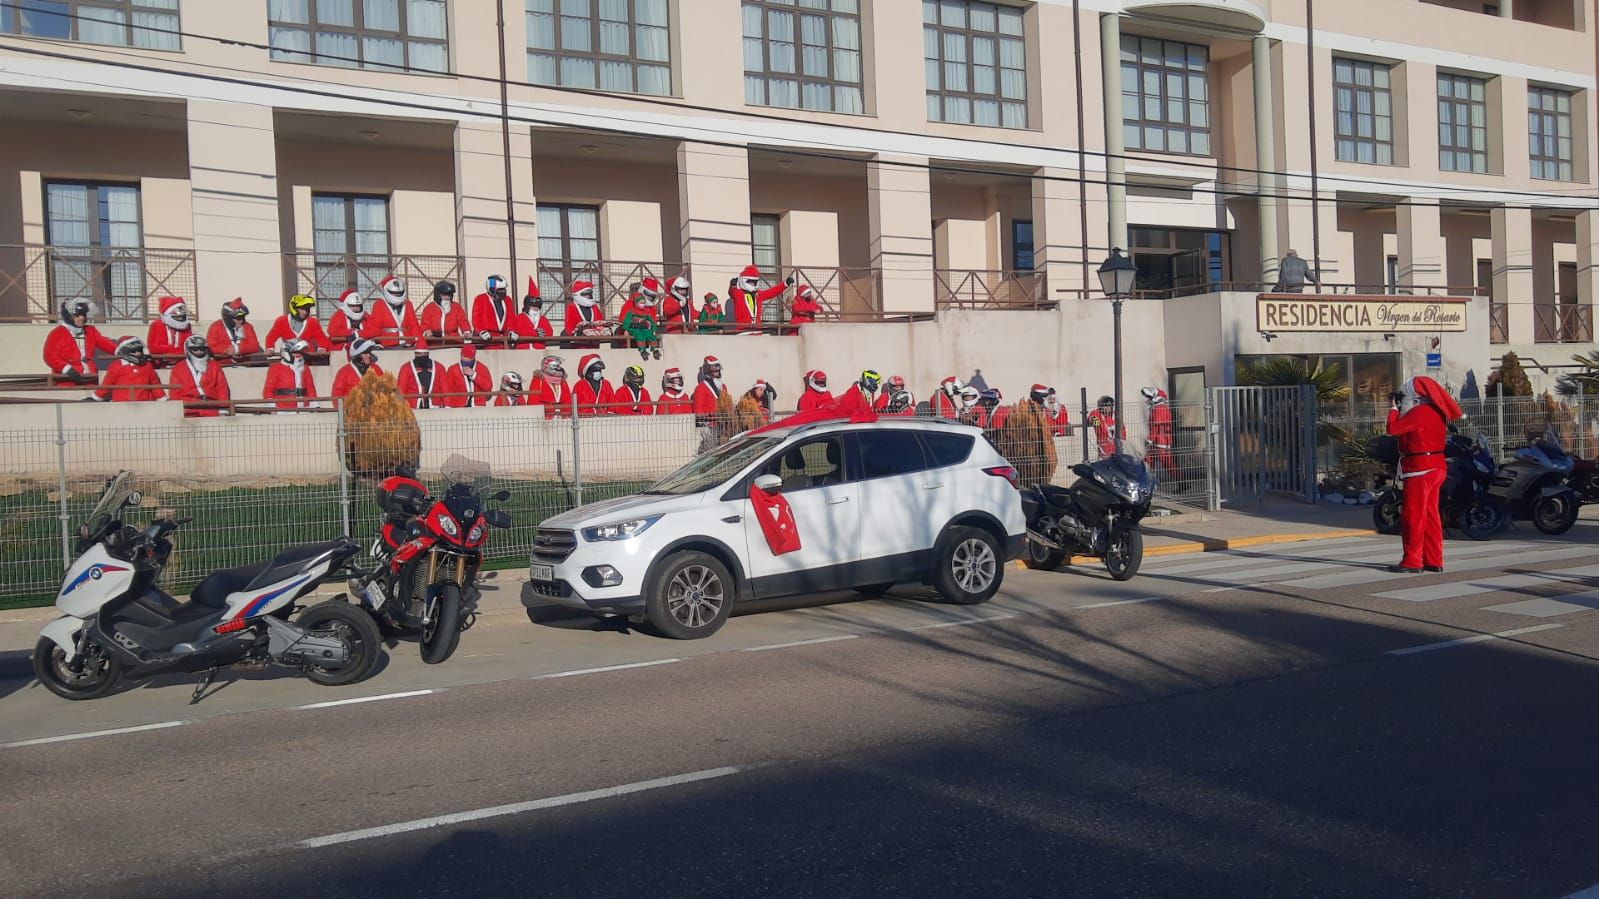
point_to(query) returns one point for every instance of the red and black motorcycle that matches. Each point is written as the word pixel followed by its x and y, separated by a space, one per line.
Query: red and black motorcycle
pixel 429 553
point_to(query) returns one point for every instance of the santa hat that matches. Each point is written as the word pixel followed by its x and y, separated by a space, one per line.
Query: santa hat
pixel 421 347
pixel 393 288
pixel 580 286
pixel 816 379
pixel 1423 387
pixel 469 353
pixel 169 306
pixel 586 363
pixel 532 288
pixel 236 307
pixel 672 374
pixel 750 272
pixel 807 291
pixel 760 387
pixel 650 287
pixel 353 304
pixel 128 343
pixel 680 285
pixel 711 361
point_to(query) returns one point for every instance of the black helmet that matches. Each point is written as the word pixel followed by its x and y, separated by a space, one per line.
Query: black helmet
pixel 443 289
pixel 633 376
pixel 870 381
pixel 73 308
pixel 132 349
pixel 1106 401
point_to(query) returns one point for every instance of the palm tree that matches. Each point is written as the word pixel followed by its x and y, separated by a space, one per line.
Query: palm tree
pixel 1288 371
pixel 1587 378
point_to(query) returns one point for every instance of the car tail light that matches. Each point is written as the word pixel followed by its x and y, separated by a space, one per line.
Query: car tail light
pixel 1006 472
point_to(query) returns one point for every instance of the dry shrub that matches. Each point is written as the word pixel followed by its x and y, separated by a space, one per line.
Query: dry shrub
pixel 380 428
pixel 1027 441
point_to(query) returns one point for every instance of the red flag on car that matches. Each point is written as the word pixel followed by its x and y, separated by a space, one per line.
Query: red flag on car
pixel 777 521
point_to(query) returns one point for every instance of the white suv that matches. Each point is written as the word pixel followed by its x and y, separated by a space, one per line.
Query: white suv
pixel 875 504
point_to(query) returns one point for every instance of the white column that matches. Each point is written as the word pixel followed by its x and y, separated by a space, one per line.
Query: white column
pixel 1588 258
pixel 1110 55
pixel 1507 9
pixel 233 177
pixel 1058 238
pixel 900 227
pixel 482 237
pixel 1422 262
pixel 713 199
pixel 1265 158
pixel 1513 270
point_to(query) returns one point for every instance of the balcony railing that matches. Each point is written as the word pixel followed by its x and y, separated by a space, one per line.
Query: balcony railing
pixel 1498 322
pixel 969 289
pixel 1563 323
pixel 327 275
pixel 613 281
pixel 124 284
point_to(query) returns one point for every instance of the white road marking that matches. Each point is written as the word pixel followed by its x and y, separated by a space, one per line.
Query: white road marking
pixel 94 733
pixel 1471 587
pixel 799 643
pixel 516 808
pixel 1548 606
pixel 1476 638
pixel 359 699
pixel 1368 576
pixel 963 622
pixel 576 672
pixel 1121 602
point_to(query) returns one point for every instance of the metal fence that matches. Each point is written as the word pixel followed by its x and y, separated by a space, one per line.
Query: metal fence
pixel 124 284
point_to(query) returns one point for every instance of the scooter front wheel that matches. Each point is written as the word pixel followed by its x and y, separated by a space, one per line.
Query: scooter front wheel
pixel 99 673
pixel 1484 520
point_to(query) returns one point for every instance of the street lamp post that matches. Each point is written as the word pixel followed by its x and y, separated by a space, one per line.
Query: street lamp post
pixel 1116 277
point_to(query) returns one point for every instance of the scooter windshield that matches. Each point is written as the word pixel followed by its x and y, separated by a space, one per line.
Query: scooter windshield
pixel 117 491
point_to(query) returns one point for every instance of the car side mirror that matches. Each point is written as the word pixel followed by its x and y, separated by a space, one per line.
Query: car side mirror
pixel 499 518
pixel 770 483
pixel 501 496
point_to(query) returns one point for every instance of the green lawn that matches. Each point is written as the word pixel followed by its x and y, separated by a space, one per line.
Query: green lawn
pixel 242 526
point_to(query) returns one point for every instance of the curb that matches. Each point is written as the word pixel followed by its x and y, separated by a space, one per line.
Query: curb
pixel 1221 544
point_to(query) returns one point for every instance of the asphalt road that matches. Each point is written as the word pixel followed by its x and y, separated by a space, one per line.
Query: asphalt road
pixel 1284 721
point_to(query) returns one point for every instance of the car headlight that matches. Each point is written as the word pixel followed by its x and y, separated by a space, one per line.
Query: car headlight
pixel 447 525
pixel 621 530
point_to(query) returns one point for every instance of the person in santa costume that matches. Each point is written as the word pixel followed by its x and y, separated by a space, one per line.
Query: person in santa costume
pixel 511 392
pixel 677 309
pixel 593 392
pixel 895 399
pixel 299 323
pixel 167 333
pixel 947 401
pixel 1059 416
pixel 748 299
pixel 633 398
pixel 530 326
pixel 1158 443
pixel 348 318
pixel 712 317
pixel 639 318
pixel 673 401
pixel 754 409
pixel 442 317
pixel 712 405
pixel 471 377
pixel 1106 429
pixel 550 389
pixel 131 378
pixel 492 310
pixel 198 379
pixel 816 395
pixel 983 412
pixel 393 321
pixel 231 337
pixel 861 396
pixel 1423 432
pixel 363 356
pixel 288 381
pixel 69 348
pixel 806 306
pixel 421 381
pixel 584 308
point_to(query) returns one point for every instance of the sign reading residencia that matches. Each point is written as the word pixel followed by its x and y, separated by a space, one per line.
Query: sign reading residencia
pixel 1288 312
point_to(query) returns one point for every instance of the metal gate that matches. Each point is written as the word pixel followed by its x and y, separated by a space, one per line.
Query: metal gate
pixel 1265 439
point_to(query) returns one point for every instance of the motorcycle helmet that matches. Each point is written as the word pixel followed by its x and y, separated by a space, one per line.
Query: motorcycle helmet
pixel 444 291
pixel 895 383
pixel 1152 395
pixel 196 347
pixel 289 349
pixel 711 368
pixel 511 382
pixel 870 381
pixel 131 350
pixel 300 305
pixel 532 300
pixel 1039 394
pixel 592 368
pixel 969 395
pixel 672 381
pixel 633 376
pixel 817 380
pixel 553 366
pixel 649 291
pixel 393 290
pixel 1106 404
pixel 952 387
pixel 362 353
pixel 235 311
pixel 681 290
pixel 420 358
pixel 72 309
pixel 495 287
pixel 353 304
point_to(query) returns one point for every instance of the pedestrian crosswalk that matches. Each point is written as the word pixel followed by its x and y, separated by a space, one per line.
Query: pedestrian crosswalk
pixel 1362 563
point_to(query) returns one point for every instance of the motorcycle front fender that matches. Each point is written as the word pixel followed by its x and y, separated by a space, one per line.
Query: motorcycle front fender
pixel 63 632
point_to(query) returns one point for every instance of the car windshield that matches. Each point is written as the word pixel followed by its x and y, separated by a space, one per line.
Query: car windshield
pixel 715 467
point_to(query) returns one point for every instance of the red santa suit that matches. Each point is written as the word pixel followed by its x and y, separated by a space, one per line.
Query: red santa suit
pixel 813 399
pixel 390 325
pixel 290 386
pixel 853 401
pixel 677 307
pixel 128 383
pixel 345 325
pixel 554 394
pixel 706 395
pixel 230 345
pixel 447 322
pixel 492 314
pixel 529 327
pixel 1105 430
pixel 473 379
pixel 513 400
pixel 583 309
pixel 593 397
pixel 805 308
pixel 633 401
pixel 674 403
pixel 191 383
pixel 167 333
pixel 349 377
pixel 1423 432
pixel 67 350
pixel 1158 445
pixel 1060 419
pixel 420 384
pixel 288 328
pixel 747 300
pixel 945 405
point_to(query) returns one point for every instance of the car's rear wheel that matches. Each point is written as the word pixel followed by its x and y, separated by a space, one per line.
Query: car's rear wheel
pixel 968 565
pixel 689 597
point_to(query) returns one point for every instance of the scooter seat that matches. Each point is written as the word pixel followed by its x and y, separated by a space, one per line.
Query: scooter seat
pixel 286 563
pixel 214 590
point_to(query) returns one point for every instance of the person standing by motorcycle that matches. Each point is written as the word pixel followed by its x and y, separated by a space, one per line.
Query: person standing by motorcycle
pixel 1106 428
pixel 1422 433
pixel 1159 442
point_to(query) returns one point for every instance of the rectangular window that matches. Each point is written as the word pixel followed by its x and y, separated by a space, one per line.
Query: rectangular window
pixel 1179 261
pixel 975 57
pixel 569 248
pixel 1391 274
pixel 146 24
pixel 95 232
pixel 1549 133
pixel 1021 245
pixel 765 254
pixel 1364 111
pixel 609 45
pixel 1462 123
pixel 350 238
pixel 393 35
pixel 1165 96
pixel 804 55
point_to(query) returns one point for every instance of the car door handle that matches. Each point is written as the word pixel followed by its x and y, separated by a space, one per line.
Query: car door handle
pixel 932 486
pixel 834 502
pixel 733 519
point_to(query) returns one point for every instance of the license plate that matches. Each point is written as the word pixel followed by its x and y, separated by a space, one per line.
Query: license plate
pixel 543 572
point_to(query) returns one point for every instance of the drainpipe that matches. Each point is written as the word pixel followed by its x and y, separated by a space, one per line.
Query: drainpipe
pixel 1315 183
pixel 505 139
pixel 1082 145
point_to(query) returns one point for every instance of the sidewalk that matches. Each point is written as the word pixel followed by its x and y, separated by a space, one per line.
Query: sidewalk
pixel 1274 520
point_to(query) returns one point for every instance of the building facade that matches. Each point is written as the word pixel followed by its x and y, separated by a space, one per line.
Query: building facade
pixel 260 148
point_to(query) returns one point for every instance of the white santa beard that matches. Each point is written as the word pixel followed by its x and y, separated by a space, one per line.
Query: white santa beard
pixel 200 365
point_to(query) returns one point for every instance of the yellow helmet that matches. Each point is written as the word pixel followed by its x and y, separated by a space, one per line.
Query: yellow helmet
pixel 301 301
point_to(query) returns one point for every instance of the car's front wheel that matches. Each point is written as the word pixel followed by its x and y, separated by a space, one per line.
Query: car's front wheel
pixel 968 566
pixel 689 597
